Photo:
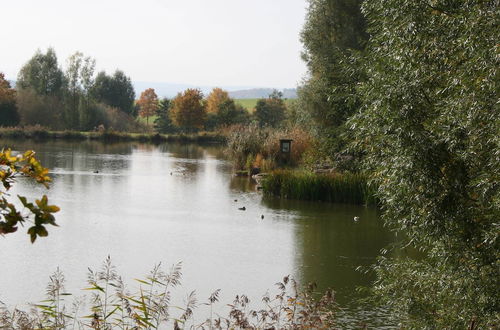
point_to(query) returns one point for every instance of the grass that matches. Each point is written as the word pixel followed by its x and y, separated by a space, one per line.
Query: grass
pixel 151 120
pixel 336 188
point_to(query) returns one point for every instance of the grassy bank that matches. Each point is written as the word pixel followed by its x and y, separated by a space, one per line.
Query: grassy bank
pixel 41 133
pixel 336 188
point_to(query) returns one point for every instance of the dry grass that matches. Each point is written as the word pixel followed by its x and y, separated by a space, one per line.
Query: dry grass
pixel 251 146
pixel 111 305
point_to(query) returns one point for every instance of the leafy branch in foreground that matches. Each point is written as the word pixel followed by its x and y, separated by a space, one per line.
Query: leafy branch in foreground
pixel 112 306
pixel 40 213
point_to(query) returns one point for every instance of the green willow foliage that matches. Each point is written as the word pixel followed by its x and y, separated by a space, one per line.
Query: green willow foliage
pixel 334 37
pixel 430 127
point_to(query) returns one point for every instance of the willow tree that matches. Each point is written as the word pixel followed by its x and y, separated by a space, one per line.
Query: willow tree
pixel 334 36
pixel 430 127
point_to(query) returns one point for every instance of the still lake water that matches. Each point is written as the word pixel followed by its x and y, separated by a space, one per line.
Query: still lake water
pixel 176 202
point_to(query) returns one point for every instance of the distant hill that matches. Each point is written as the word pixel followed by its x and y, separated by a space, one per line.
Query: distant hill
pixel 163 89
pixel 170 90
pixel 258 93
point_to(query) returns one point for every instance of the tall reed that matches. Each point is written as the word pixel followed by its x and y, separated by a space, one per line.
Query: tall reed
pixel 113 306
pixel 350 188
pixel 252 146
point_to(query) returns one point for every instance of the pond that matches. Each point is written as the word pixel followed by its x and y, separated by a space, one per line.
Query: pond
pixel 180 202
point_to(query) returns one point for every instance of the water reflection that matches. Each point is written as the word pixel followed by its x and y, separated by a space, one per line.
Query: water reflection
pixel 171 202
pixel 331 244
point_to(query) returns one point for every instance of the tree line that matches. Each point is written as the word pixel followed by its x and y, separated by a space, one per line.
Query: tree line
pixel 73 99
pixel 189 111
pixel 79 99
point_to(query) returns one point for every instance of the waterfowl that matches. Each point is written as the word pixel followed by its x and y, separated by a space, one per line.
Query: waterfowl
pixel 242 208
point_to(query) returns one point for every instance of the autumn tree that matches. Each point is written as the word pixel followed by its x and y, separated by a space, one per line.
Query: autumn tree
pixel 223 111
pixel 8 109
pixel 40 213
pixel 148 104
pixel 189 111
pixel 215 99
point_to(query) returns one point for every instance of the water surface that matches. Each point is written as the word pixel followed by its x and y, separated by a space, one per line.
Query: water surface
pixel 179 202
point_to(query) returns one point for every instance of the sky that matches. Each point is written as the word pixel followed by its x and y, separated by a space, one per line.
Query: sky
pixel 203 42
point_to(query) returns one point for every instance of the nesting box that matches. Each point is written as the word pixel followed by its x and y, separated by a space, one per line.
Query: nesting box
pixel 286 146
pixel 285 150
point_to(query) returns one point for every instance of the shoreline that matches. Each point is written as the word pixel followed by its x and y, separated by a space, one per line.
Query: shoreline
pixel 43 134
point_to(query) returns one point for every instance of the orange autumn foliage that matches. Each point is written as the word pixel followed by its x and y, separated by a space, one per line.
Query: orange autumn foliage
pixel 148 103
pixel 217 97
pixel 188 111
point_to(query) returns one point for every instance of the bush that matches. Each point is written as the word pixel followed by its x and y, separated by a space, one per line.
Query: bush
pixel 117 120
pixel 44 110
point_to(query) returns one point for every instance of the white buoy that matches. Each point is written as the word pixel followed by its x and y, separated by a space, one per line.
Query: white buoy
pixel 356 219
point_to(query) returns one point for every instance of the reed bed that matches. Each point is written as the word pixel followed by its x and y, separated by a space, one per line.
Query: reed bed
pixel 348 188
pixel 112 305
pixel 250 146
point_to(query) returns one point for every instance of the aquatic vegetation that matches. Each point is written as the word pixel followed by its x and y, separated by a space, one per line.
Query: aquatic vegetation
pixel 352 188
pixel 251 146
pixel 112 305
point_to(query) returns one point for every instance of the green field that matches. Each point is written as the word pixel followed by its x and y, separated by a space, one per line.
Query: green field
pixel 143 120
pixel 249 104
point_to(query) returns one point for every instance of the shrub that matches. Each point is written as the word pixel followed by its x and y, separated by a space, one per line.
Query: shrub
pixel 245 141
pixel 117 120
pixel 44 110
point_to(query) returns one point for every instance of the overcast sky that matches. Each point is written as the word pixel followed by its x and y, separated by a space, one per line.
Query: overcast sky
pixel 203 42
